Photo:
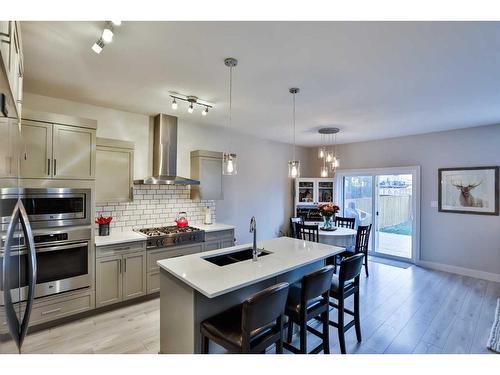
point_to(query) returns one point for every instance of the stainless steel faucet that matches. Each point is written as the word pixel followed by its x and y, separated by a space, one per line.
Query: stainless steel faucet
pixel 253 229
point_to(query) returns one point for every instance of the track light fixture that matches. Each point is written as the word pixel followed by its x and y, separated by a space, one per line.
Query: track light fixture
pixel 192 100
pixel 106 36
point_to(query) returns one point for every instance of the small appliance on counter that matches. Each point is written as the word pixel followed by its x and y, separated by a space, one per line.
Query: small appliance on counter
pixel 181 220
pixel 208 216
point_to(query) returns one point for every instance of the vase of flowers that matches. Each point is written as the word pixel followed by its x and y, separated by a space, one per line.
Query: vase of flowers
pixel 328 211
pixel 103 223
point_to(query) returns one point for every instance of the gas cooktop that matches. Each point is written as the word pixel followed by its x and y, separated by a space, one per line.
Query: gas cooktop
pixel 172 236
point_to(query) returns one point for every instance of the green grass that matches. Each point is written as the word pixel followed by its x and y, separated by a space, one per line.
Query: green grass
pixel 401 228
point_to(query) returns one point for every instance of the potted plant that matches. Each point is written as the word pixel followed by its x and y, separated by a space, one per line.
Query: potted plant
pixel 328 211
pixel 103 222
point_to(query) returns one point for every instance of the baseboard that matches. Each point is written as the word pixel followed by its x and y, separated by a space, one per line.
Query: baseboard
pixel 460 270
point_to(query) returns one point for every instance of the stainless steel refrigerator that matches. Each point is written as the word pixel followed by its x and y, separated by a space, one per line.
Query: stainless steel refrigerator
pixel 17 251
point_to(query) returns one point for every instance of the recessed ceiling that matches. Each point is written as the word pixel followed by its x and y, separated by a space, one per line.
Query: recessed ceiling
pixel 371 79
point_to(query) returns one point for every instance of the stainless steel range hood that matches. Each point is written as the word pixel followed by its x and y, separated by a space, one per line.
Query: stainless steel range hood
pixel 165 154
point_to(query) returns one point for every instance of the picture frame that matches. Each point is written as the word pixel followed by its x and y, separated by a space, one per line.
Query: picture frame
pixel 469 190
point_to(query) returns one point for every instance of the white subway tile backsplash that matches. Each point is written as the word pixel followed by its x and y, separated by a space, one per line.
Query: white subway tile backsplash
pixel 155 205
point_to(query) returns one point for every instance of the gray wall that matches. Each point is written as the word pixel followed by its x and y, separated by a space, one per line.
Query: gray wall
pixel 468 241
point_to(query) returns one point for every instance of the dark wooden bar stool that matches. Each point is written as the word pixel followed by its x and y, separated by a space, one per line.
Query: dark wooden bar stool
pixel 344 285
pixel 293 228
pixel 306 301
pixel 250 327
pixel 307 232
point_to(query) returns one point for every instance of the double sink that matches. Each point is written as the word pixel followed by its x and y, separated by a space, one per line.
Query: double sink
pixel 234 257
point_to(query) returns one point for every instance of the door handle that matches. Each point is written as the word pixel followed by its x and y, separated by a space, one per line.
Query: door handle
pixel 48 167
pixel 18 329
pixel 55 167
pixel 125 265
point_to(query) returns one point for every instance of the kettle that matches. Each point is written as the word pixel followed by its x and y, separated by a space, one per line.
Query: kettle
pixel 181 220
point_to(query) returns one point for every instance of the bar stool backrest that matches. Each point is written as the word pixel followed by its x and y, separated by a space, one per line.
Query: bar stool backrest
pixel 363 238
pixel 316 283
pixel 307 232
pixel 293 225
pixel 264 307
pixel 350 267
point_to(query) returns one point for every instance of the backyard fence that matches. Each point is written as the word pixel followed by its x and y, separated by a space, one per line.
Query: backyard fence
pixel 393 210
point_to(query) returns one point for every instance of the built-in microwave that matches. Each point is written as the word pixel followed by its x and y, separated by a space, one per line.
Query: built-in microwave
pixel 48 207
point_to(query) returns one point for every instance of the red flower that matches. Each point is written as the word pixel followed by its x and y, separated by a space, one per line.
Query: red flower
pixel 103 220
pixel 328 209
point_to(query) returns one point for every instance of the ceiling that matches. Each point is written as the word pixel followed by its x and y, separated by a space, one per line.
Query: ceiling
pixel 371 79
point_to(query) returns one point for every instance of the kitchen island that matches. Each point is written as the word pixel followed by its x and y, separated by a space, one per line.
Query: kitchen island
pixel 198 286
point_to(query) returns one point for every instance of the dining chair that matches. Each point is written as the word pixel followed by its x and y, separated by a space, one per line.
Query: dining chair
pixel 362 242
pixel 345 222
pixel 293 222
pixel 307 232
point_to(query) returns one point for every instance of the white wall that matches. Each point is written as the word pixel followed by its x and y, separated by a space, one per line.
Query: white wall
pixel 467 241
pixel 261 187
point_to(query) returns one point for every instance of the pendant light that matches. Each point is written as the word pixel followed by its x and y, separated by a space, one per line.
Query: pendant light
pixel 293 165
pixel 229 159
pixel 330 160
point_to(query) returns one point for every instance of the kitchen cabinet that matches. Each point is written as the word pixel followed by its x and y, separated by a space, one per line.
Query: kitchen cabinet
pixel 36 161
pixel 74 152
pixel 120 272
pixel 12 60
pixel 53 150
pixel 153 271
pixel 313 191
pixel 206 167
pixel 114 171
pixel 219 239
pixel 134 275
pixel 9 156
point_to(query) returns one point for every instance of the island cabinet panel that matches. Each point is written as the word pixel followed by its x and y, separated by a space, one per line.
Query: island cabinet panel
pixel 153 271
pixel 120 272
pixel 108 280
pixel 68 163
pixel 219 239
pixel 134 275
pixel 37 160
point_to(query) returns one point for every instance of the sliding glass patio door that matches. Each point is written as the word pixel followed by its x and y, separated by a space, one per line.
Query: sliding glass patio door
pixel 388 199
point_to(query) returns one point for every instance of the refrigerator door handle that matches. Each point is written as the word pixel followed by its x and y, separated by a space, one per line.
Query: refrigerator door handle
pixel 18 329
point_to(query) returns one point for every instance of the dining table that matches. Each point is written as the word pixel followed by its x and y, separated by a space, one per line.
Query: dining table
pixel 343 237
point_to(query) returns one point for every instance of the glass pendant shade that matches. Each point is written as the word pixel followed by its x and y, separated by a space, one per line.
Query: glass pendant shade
pixel 229 164
pixel 324 171
pixel 321 152
pixel 294 168
pixel 329 157
pixel 335 162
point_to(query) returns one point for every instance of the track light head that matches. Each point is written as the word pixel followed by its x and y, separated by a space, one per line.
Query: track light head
pixel 107 33
pixel 190 108
pixel 174 104
pixel 205 112
pixel 98 46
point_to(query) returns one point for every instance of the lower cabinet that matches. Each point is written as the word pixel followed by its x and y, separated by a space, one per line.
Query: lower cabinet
pixel 153 271
pixel 120 277
pixel 219 240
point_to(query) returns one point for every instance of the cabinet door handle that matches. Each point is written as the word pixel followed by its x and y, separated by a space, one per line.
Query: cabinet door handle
pixel 55 166
pixel 125 265
pixel 51 311
pixel 48 167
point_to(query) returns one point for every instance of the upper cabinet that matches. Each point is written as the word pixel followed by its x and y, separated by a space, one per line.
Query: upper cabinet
pixel 114 170
pixel 12 60
pixel 313 191
pixel 56 150
pixel 73 152
pixel 206 167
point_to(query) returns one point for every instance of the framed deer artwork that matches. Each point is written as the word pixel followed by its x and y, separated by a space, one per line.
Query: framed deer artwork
pixel 472 190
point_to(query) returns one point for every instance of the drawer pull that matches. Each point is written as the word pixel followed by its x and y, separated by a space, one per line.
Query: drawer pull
pixel 122 248
pixel 51 311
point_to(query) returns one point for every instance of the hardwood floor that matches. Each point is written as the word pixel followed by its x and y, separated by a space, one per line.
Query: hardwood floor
pixel 410 310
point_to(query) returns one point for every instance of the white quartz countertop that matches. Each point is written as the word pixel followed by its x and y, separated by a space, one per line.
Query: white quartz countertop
pixel 215 227
pixel 212 280
pixel 119 237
